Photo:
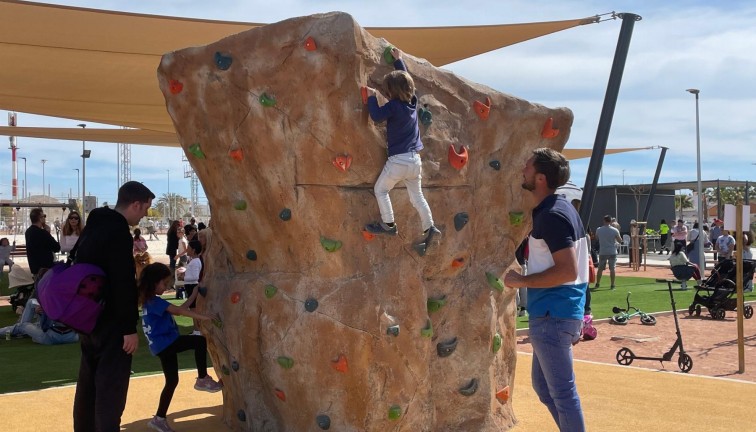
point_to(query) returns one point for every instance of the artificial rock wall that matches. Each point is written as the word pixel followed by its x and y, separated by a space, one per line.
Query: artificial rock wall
pixel 324 327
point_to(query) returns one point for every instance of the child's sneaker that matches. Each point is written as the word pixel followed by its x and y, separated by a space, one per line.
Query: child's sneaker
pixel 159 424
pixel 207 384
pixel 430 233
pixel 195 333
pixel 381 228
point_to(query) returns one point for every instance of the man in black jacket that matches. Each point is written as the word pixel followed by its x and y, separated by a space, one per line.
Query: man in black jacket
pixel 106 353
pixel 40 244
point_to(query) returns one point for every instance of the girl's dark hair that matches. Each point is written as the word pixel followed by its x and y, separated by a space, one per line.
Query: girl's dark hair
pixel 137 233
pixel 151 276
pixel 196 245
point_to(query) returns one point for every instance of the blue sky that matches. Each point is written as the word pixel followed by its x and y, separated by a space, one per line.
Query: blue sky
pixel 677 45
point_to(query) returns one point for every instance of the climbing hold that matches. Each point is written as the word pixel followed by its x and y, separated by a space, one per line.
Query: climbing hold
pixel 236 154
pixel 224 370
pixel 280 394
pixel 235 297
pixel 495 282
pixel 330 245
pixel 311 304
pixel 496 344
pixel 395 412
pixel 341 364
pixel 458 262
pixel 342 162
pixel 516 218
pixel 470 388
pixel 460 220
pixel 367 235
pixel 434 304
pixel 310 44
pixel 427 331
pixel 175 86
pixel 458 160
pixel 364 94
pixel 218 323
pixel 446 348
pixel 285 362
pixel 252 255
pixel 267 101
pixel 323 421
pixel 425 116
pixel 270 291
pixel 241 415
pixel 387 56
pixel 503 395
pixel 393 330
pixel 495 165
pixel 481 109
pixel 223 62
pixel 235 365
pixel 285 215
pixel 240 204
pixel 196 151
pixel 202 291
pixel 549 131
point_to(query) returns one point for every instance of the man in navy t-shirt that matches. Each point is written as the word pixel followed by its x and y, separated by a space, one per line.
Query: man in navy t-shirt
pixel 557 281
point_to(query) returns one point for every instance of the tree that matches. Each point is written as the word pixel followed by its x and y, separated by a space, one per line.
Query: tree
pixel 730 195
pixel 171 205
pixel 683 202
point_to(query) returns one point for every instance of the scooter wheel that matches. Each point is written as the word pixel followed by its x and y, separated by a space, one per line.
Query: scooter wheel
pixel 685 363
pixel 625 357
pixel 748 311
pixel 648 320
pixel 619 319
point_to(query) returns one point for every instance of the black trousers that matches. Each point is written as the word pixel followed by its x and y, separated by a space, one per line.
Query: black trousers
pixel 169 361
pixel 103 382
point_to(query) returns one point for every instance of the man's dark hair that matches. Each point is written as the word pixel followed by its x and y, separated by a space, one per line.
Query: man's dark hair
pixel 131 192
pixel 607 218
pixel 196 245
pixel 35 215
pixel 553 165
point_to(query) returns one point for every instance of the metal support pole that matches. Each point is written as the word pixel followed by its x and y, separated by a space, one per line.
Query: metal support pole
pixel 651 193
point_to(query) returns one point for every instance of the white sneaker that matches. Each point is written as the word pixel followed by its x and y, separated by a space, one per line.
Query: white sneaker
pixel 159 424
pixel 196 333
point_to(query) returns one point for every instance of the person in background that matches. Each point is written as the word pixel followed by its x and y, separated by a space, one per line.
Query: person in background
pixel 193 224
pixel 140 244
pixel 694 254
pixel 748 254
pixel 40 244
pixel 5 251
pixel 663 235
pixel 679 233
pixel 724 246
pixel 192 277
pixel 714 233
pixel 181 255
pixel 43 331
pixel 71 231
pixel 172 244
pixel 608 237
pixel 678 258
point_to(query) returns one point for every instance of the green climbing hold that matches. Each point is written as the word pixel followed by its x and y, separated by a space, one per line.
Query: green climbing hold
pixel 266 100
pixel 196 151
pixel 395 412
pixel 496 345
pixel 240 204
pixel 387 56
pixel 252 255
pixel 434 304
pixel 218 323
pixel 285 362
pixel 270 291
pixel 285 214
pixel 516 218
pixel 330 245
pixel 495 282
pixel 425 116
pixel 393 330
pixel 427 331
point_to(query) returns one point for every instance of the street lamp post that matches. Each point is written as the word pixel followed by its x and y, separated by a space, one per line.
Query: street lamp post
pixel 43 176
pixel 78 186
pixel 24 192
pixel 84 156
pixel 169 195
pixel 699 212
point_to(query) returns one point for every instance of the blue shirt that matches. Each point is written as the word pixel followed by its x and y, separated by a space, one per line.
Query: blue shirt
pixel 556 226
pixel 158 324
pixel 402 131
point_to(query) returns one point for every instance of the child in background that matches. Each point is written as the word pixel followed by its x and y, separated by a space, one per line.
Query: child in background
pixel 192 277
pixel 404 145
pixel 5 250
pixel 164 340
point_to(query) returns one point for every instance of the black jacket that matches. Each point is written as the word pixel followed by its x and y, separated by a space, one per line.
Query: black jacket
pixel 106 242
pixel 40 248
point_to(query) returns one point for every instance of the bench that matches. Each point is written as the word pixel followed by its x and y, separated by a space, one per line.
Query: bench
pixel 20 251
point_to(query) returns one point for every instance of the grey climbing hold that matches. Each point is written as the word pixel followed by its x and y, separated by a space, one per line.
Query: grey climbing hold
pixel 470 388
pixel 202 291
pixel 324 422
pixel 311 304
pixel 420 248
pixel 460 220
pixel 393 330
pixel 285 214
pixel 446 348
pixel 495 165
pixel 252 255
pixel 235 365
pixel 241 415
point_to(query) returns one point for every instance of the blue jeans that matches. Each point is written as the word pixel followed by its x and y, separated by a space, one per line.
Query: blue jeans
pixel 552 375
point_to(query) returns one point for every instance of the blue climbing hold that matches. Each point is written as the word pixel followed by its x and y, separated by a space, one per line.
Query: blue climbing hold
pixel 460 220
pixel 311 304
pixel 202 291
pixel 285 215
pixel 241 415
pixel 495 165
pixel 252 255
pixel 323 421
pixel 223 62
pixel 425 116
pixel 235 365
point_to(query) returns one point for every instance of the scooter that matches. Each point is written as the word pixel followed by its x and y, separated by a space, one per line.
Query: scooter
pixel 622 316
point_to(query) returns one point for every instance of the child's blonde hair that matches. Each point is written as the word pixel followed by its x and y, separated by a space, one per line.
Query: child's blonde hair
pixel 399 85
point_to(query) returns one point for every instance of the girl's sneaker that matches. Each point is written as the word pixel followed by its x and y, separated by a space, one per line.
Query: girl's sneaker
pixel 207 384
pixel 159 424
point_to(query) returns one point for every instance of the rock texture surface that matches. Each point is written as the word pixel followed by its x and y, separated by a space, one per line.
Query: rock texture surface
pixel 323 328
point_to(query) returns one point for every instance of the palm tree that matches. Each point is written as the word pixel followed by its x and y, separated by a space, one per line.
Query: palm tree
pixel 683 202
pixel 171 205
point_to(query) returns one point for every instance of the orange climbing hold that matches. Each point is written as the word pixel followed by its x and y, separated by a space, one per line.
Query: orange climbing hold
pixel 175 86
pixel 367 235
pixel 280 394
pixel 235 297
pixel 236 154
pixel 503 395
pixel 457 160
pixel 341 364
pixel 310 44
pixel 458 262
pixel 364 93
pixel 549 131
pixel 342 162
pixel 481 109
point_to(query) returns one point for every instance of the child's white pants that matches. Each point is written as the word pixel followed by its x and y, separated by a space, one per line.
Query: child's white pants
pixel 408 168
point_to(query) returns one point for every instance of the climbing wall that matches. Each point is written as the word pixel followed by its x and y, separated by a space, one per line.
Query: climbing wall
pixel 322 325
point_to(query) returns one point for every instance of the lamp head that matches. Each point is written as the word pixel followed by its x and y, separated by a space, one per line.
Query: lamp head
pixel 693 91
pixel 81 125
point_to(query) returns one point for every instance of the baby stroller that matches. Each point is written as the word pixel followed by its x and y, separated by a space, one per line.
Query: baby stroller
pixel 717 291
pixel 20 279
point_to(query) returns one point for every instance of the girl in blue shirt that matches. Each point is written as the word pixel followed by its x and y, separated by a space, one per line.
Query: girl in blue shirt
pixel 164 340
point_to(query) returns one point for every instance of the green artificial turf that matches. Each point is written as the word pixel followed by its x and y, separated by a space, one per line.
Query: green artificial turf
pixel 30 366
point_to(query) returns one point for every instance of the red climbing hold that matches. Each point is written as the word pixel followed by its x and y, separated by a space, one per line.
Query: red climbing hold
pixel 367 235
pixel 481 109
pixel 236 154
pixel 175 86
pixel 503 395
pixel 458 262
pixel 280 394
pixel 549 131
pixel 342 162
pixel 457 160
pixel 310 44
pixel 341 364
pixel 363 92
pixel 235 297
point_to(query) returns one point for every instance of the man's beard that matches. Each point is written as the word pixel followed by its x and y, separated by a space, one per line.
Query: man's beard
pixel 528 186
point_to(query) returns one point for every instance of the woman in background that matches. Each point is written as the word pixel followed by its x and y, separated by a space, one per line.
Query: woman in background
pixel 71 231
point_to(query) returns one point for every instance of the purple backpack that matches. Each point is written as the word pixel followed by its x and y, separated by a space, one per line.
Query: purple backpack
pixel 71 294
